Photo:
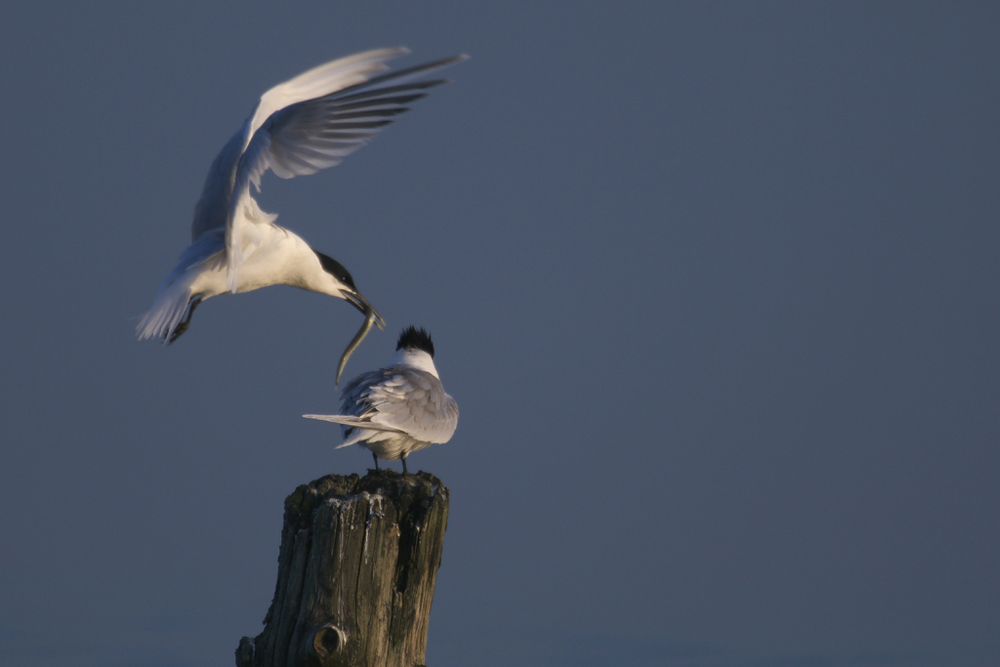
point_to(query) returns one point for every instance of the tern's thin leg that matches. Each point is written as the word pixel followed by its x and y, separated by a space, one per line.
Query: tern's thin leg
pixel 183 326
pixel 405 471
pixel 374 456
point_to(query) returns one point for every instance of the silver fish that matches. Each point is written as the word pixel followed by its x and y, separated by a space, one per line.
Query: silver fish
pixel 371 318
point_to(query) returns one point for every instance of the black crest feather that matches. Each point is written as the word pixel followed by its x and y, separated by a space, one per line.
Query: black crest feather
pixel 414 338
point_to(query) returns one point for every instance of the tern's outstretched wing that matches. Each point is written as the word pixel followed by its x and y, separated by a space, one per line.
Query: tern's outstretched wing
pixel 402 400
pixel 306 124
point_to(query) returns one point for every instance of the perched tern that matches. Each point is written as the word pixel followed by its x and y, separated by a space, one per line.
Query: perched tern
pixel 298 127
pixel 398 409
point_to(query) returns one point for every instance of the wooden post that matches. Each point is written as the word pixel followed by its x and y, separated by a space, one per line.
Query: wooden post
pixel 356 573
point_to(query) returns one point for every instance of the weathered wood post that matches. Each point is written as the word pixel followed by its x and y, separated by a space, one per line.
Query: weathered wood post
pixel 356 574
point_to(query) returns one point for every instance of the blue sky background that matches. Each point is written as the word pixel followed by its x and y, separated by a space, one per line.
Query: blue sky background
pixel 715 286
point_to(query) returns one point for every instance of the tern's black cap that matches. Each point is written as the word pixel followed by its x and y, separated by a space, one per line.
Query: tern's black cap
pixel 335 269
pixel 413 338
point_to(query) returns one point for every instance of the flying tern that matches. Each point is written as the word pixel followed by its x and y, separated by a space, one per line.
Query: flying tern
pixel 305 124
pixel 401 408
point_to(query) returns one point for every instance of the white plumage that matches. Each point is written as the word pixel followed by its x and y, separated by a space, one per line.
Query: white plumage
pixel 308 123
pixel 401 408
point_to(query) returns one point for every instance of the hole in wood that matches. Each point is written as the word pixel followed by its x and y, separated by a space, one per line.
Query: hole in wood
pixel 328 639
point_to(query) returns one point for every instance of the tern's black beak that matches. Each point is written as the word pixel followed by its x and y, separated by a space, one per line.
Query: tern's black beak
pixel 361 303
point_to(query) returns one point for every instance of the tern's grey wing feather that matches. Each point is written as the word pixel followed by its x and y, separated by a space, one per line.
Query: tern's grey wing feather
pixel 315 120
pixel 400 400
pixel 414 402
pixel 318 131
pixel 246 156
pixel 350 420
pixel 353 398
